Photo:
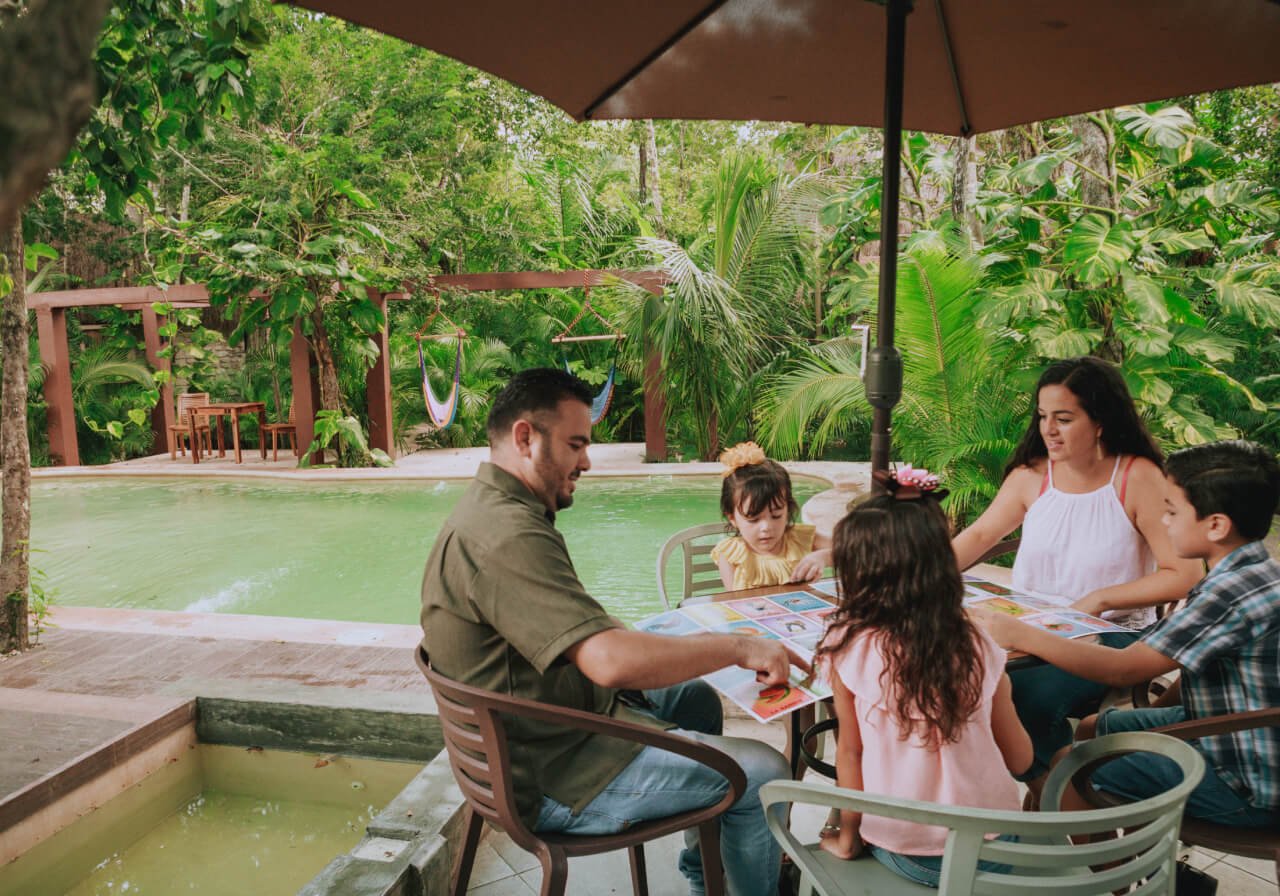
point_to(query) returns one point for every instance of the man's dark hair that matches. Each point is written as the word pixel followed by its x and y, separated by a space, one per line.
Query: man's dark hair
pixel 530 392
pixel 1238 479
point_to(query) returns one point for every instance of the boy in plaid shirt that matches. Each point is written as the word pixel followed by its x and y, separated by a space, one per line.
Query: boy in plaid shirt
pixel 1219 501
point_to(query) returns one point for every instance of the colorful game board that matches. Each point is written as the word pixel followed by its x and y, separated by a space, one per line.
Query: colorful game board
pixel 796 618
pixel 1034 610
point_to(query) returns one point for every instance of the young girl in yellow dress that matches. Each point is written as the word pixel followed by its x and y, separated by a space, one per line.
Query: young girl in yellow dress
pixel 768 547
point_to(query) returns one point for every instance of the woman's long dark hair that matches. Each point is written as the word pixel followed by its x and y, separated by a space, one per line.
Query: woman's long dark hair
pixel 899 579
pixel 1102 392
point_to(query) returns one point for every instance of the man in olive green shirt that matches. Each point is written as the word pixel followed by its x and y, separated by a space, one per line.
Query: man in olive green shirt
pixel 503 609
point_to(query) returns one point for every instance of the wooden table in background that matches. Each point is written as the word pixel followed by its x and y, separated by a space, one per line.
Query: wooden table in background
pixel 233 409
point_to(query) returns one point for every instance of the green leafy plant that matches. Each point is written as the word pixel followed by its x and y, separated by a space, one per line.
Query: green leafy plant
pixel 352 446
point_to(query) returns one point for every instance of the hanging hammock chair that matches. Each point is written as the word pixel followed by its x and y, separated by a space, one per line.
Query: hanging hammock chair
pixel 442 412
pixel 600 405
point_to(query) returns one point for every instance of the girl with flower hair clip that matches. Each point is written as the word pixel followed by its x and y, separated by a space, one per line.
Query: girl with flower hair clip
pixel 925 708
pixel 768 547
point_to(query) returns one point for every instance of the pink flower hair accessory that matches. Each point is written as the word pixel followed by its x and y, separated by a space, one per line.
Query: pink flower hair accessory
pixel 908 483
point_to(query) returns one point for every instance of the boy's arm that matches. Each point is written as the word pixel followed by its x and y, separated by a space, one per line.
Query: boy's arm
pixel 1094 662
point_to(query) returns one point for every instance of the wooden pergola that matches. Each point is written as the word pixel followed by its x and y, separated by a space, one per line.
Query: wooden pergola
pixel 51 316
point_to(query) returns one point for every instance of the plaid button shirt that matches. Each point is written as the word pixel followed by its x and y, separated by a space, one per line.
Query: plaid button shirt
pixel 1227 640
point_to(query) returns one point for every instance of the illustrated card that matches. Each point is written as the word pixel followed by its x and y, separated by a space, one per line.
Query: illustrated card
pixel 1004 605
pixel 808 643
pixel 673 622
pixel 799 601
pixel 755 607
pixel 713 614
pixel 826 586
pixel 1061 624
pixel 769 703
pixel 1093 623
pixel 791 625
pixel 746 627
pixel 990 587
pixel 819 616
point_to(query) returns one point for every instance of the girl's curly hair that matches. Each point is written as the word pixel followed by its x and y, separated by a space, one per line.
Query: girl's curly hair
pixel 899 580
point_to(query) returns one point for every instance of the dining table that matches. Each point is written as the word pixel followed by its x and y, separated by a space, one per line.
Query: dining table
pixel 801 720
pixel 216 411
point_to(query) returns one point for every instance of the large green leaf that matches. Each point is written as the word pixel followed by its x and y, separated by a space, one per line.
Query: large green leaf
pixel 1096 248
pixel 1168 127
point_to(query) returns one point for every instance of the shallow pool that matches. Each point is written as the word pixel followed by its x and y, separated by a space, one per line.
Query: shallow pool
pixel 319 550
pixel 222 821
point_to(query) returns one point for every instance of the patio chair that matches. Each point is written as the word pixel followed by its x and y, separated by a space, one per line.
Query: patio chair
pixel 1143 842
pixel 180 431
pixel 288 429
pixel 701 575
pixel 476 740
pixel 1254 843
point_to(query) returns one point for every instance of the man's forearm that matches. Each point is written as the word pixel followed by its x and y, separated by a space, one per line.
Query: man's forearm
pixel 620 658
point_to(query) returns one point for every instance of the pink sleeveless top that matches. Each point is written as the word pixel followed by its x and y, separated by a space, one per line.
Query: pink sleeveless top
pixel 1074 544
pixel 969 772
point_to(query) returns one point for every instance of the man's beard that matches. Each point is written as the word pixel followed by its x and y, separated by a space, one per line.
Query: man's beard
pixel 550 479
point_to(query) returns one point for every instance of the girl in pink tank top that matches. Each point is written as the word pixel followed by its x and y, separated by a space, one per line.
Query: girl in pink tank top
pixel 924 705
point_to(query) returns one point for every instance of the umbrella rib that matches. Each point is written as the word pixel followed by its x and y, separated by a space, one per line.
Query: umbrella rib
pixel 966 128
pixel 614 88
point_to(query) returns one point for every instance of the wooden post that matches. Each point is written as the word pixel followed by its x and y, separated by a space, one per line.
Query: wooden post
pixel 655 408
pixel 54 355
pixel 306 391
pixel 378 384
pixel 162 413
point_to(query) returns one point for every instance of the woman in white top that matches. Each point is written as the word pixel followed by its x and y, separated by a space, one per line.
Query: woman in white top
pixel 1085 484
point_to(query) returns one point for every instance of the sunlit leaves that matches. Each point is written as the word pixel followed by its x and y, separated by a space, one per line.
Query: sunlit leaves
pixel 1167 127
pixel 1096 248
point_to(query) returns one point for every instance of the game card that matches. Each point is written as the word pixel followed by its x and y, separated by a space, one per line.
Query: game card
pixel 755 607
pixel 673 622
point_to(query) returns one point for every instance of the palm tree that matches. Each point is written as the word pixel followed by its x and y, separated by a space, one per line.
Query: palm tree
pixel 729 293
pixel 964 399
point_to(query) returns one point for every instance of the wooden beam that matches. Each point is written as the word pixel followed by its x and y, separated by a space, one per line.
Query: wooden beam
pixel 119 295
pixel 64 448
pixel 652 281
pixel 378 385
pixel 655 408
pixel 162 415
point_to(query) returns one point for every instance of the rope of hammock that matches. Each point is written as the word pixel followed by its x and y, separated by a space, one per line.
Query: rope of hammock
pixel 441 411
pixel 600 404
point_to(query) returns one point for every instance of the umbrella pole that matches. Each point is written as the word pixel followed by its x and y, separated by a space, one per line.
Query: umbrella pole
pixel 883 382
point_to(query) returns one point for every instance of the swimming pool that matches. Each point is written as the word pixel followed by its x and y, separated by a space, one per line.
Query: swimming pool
pixel 320 550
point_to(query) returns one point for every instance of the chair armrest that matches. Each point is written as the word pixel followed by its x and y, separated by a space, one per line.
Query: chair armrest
pixel 999 549
pixel 1240 721
pixel 717 760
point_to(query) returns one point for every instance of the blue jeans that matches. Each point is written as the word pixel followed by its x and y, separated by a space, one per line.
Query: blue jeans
pixel 1142 775
pixel 927 870
pixel 657 784
pixel 1045 697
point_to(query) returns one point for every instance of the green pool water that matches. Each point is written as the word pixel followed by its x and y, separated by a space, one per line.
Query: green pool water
pixel 352 551
pixel 222 821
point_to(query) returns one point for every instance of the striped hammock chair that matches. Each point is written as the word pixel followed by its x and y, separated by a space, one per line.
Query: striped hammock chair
pixel 441 412
pixel 600 404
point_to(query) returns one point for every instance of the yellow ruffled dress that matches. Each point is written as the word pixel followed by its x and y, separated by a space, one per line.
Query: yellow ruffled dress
pixel 752 570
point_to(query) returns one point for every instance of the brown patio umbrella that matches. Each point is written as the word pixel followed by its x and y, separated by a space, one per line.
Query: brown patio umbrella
pixel 971 66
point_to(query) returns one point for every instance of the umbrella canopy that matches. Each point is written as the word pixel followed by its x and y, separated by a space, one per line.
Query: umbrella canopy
pixel 972 65
pixel 945 66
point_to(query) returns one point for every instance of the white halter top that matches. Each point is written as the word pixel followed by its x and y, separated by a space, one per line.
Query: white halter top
pixel 1074 544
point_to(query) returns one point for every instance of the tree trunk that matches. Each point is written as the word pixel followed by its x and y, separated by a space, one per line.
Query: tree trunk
pixel 330 391
pixel 46 67
pixel 1095 182
pixel 655 188
pixel 15 452
pixel 964 187
pixel 1097 179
